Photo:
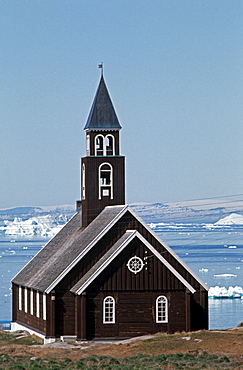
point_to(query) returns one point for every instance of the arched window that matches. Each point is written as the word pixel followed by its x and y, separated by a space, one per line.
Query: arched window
pixel 99 145
pixel 109 310
pixel 109 145
pixel 105 180
pixel 83 181
pixel 161 309
pixel 87 145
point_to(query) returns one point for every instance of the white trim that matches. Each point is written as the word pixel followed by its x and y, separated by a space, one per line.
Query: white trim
pixel 37 304
pixel 20 298
pixel 169 249
pixel 44 306
pixel 88 145
pixel 113 144
pixel 87 249
pixel 25 300
pixel 107 262
pixel 134 234
pixel 124 209
pixel 113 309
pixel 103 141
pixel 158 321
pixel 83 181
pixel 31 302
pixel 15 326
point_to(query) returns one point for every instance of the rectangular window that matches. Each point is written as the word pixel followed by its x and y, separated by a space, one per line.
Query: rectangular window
pixel 20 298
pixel 44 306
pixel 31 302
pixel 25 300
pixel 37 304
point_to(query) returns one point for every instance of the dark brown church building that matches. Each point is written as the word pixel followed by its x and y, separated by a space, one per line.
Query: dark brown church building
pixel 106 274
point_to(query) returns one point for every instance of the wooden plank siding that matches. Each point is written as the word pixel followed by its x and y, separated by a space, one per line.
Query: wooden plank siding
pixel 26 318
pixel 135 314
pixel 91 204
pixel 116 278
pixel 135 294
pixel 65 313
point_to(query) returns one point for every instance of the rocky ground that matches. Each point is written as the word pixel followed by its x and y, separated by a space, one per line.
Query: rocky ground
pixel 221 343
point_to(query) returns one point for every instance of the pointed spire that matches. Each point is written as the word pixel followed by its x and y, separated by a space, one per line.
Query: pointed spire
pixel 102 115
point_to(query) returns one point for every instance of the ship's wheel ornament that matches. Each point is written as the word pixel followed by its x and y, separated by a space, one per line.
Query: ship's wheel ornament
pixel 135 264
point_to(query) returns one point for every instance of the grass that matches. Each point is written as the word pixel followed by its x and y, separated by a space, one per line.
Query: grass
pixel 200 360
pixel 204 350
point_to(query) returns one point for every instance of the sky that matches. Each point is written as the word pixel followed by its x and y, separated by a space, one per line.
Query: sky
pixel 173 69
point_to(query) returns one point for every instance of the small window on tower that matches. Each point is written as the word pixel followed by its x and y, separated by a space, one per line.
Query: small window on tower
pixel 109 144
pixel 83 181
pixel 99 145
pixel 87 145
pixel 105 180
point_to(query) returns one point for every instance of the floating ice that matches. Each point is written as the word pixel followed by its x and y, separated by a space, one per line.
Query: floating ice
pixel 203 270
pixel 224 276
pixel 223 292
pixel 45 226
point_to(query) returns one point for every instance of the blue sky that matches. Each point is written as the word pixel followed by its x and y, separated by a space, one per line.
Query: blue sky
pixel 173 70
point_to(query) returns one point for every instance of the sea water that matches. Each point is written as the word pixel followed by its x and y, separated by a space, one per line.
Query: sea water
pixel 215 255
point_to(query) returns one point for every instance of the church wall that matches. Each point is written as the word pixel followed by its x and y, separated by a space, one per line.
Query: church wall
pixel 31 317
pixel 135 314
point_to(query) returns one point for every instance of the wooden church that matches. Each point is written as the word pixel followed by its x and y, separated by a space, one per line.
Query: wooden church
pixel 106 274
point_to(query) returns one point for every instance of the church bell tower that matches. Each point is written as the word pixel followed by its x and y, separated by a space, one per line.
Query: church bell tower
pixel 103 168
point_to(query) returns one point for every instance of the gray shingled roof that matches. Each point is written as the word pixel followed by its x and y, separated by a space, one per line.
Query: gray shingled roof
pixel 69 246
pixel 65 250
pixel 102 115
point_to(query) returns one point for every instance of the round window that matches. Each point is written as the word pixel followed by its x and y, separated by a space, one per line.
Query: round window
pixel 135 264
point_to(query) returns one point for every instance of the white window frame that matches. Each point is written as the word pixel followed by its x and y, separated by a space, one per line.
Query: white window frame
pixel 101 186
pixel 109 305
pixel 88 145
pixel 20 298
pixel 25 300
pixel 83 181
pixel 44 306
pixel 103 143
pixel 31 302
pixel 161 309
pixel 113 144
pixel 37 304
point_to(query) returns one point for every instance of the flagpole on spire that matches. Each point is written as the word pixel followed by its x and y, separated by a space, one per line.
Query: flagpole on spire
pixel 101 66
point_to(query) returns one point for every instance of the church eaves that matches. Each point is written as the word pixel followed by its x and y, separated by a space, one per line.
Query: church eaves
pixel 102 115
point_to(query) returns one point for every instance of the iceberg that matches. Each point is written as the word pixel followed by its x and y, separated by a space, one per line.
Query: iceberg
pixel 222 292
pixel 45 226
pixel 232 219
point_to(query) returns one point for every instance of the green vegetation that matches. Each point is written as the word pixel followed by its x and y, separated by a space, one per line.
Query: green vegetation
pixel 199 360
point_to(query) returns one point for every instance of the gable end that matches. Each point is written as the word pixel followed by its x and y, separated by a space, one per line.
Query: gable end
pixel 121 244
